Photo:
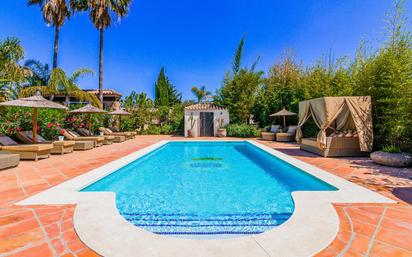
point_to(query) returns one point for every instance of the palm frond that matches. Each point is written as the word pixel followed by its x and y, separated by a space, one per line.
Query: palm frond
pixel 58 80
pixel 80 73
pixel 85 96
pixel 30 91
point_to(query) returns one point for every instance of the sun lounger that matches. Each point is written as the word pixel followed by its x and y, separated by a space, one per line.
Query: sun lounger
pixel 26 152
pixel 8 160
pixel 108 140
pixel 107 131
pixel 116 130
pixel 116 138
pixel 59 147
pixel 71 135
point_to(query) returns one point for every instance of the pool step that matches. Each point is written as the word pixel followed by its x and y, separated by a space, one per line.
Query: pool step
pixel 186 224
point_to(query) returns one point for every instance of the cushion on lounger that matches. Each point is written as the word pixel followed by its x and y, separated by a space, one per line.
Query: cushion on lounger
pixel 274 128
pixel 5 140
pixel 28 136
pixel 114 129
pixel 291 130
pixel 83 132
pixel 104 130
pixel 73 133
pixel 68 135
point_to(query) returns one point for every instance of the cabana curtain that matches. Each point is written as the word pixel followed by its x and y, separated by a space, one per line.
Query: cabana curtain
pixel 354 112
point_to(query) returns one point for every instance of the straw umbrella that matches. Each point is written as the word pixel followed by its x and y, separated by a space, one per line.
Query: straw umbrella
pixel 35 102
pixel 121 113
pixel 283 113
pixel 89 109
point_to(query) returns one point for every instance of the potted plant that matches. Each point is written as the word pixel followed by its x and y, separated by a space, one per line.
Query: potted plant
pixel 192 124
pixel 391 155
pixel 221 131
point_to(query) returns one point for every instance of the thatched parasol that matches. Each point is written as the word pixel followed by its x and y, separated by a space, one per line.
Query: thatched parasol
pixel 34 102
pixel 283 113
pixel 121 113
pixel 89 109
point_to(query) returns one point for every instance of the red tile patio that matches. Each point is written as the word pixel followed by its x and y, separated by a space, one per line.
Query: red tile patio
pixel 365 229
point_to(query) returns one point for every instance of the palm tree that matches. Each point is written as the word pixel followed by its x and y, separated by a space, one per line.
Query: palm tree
pixel 55 12
pixel 11 73
pixel 200 93
pixel 60 83
pixel 41 73
pixel 100 13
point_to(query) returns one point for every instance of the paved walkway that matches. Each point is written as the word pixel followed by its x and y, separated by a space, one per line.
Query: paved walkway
pixel 365 229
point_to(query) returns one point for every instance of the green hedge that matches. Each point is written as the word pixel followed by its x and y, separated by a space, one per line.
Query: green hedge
pixel 242 130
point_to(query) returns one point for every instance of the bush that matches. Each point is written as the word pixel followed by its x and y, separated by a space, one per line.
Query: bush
pixel 242 130
pixel 152 130
pixel 20 119
pixel 391 149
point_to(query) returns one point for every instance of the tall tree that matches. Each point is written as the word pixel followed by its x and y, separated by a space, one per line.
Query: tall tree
pixel 165 93
pixel 239 88
pixel 100 13
pixel 11 73
pixel 200 93
pixel 137 101
pixel 55 13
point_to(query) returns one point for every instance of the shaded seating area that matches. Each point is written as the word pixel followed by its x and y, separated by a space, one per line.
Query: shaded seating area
pixel 59 147
pixel 8 160
pixel 345 126
pixel 26 152
pixel 278 132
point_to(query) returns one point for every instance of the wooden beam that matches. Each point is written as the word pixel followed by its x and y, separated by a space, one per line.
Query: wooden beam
pixel 34 125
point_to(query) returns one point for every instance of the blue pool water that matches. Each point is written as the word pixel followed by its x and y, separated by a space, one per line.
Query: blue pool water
pixel 207 188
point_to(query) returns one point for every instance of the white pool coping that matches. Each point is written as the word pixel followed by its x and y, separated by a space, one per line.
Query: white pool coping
pixel 312 227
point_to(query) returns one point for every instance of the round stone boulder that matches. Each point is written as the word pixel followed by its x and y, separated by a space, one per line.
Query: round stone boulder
pixel 392 159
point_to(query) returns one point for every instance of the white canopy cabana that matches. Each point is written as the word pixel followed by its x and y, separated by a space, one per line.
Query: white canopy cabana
pixel 339 113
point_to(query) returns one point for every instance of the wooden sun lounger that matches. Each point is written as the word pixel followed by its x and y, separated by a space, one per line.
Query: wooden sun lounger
pixel 70 135
pixel 116 130
pixel 106 131
pixel 108 140
pixel 59 147
pixel 26 152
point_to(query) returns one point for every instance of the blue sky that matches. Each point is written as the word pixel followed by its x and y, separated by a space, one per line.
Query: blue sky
pixel 195 40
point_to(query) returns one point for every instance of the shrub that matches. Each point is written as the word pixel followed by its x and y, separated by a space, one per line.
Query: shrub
pixel 20 119
pixel 152 130
pixel 391 149
pixel 242 130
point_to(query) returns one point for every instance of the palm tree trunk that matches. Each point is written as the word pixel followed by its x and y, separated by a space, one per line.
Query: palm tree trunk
pixel 56 46
pixel 55 51
pixel 101 67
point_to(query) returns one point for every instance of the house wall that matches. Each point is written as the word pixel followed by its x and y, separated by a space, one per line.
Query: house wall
pixel 217 114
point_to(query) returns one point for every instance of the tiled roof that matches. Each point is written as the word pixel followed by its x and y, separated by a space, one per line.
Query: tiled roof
pixel 204 106
pixel 105 91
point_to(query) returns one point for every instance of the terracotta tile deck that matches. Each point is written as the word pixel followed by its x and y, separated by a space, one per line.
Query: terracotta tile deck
pixel 365 229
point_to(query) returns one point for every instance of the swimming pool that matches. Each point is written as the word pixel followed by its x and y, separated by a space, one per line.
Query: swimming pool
pixel 207 188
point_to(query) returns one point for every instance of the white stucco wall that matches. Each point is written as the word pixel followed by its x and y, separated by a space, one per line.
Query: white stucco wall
pixel 217 114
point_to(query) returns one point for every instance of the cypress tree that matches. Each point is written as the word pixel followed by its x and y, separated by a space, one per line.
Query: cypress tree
pixel 165 93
